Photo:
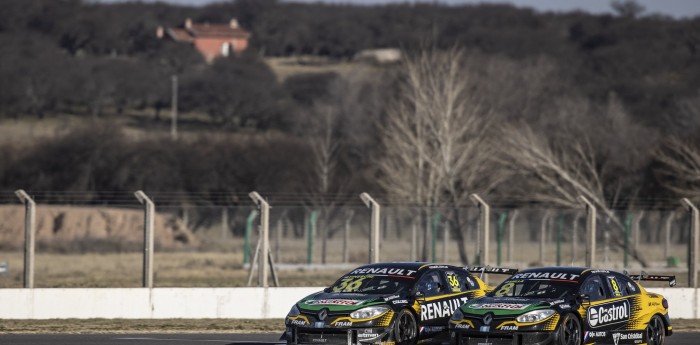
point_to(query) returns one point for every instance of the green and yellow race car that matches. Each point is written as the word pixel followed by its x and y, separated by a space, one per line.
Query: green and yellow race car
pixel 564 306
pixel 385 303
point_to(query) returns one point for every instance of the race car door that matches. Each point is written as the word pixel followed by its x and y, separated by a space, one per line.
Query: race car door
pixel 443 292
pixel 609 308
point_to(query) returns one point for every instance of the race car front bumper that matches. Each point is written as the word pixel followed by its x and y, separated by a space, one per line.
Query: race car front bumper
pixel 514 338
pixel 339 336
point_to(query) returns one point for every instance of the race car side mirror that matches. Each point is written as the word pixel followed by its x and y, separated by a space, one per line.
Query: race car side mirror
pixel 419 295
pixel 327 289
pixel 583 299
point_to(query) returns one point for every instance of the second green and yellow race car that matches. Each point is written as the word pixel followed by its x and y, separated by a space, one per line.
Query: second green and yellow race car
pixel 564 306
pixel 385 303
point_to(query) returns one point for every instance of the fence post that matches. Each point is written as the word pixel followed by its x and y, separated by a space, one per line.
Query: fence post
pixel 346 236
pixel 590 230
pixel 560 227
pixel 694 242
pixel 374 226
pixel 414 238
pixel 310 236
pixel 224 223
pixel 485 212
pixel 499 235
pixel 29 232
pixel 246 236
pixel 149 210
pixel 263 256
pixel 511 235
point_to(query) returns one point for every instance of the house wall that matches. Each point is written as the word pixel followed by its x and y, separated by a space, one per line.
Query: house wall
pixel 211 47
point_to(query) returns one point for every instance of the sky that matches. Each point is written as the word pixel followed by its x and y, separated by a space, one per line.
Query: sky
pixel 674 8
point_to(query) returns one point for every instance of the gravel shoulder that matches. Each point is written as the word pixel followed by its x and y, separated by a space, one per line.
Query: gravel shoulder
pixel 80 326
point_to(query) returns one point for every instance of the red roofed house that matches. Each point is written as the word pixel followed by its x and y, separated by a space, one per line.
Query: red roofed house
pixel 211 40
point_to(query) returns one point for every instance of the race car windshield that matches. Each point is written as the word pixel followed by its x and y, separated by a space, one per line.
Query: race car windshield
pixel 372 284
pixel 534 288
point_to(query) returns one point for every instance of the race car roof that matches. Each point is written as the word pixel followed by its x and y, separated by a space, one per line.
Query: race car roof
pixel 413 266
pixel 557 269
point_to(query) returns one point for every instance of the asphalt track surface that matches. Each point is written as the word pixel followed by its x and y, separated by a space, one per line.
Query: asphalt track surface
pixel 680 338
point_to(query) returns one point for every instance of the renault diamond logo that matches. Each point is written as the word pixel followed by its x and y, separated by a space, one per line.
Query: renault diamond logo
pixel 488 318
pixel 616 338
pixel 323 314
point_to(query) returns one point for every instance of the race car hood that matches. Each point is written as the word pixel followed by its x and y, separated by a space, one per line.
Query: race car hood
pixel 506 306
pixel 339 302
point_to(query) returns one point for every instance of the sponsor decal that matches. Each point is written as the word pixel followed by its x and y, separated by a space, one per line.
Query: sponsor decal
pixel 608 313
pixel 434 329
pixel 565 306
pixel 557 302
pixel 437 266
pixel 368 333
pixel 508 306
pixel 509 328
pixel 334 302
pixel 385 270
pixel 400 301
pixel 319 324
pixel 444 308
pixel 485 342
pixel 596 334
pixel 343 324
pixel 484 328
pixel 637 337
pixel 319 340
pixel 654 304
pixel 601 271
pixel 546 275
pixel 298 322
pixel 387 299
pixel 462 326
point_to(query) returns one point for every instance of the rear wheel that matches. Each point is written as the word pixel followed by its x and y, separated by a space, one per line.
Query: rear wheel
pixel 405 329
pixel 569 332
pixel 655 331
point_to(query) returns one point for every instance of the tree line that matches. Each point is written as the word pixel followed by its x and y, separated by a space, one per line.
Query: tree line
pixel 525 107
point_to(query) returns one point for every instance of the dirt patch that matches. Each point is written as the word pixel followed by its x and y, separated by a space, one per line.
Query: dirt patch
pixel 68 225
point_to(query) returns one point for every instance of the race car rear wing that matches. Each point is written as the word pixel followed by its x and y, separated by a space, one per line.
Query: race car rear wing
pixel 646 277
pixel 491 270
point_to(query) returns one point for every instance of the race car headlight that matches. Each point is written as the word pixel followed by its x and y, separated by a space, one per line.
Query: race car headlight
pixel 458 315
pixel 535 315
pixel 294 311
pixel 368 312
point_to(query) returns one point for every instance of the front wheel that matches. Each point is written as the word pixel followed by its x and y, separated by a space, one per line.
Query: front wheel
pixel 655 331
pixel 569 332
pixel 405 329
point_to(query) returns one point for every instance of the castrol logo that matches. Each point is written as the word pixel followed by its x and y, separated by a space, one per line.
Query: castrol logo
pixel 608 313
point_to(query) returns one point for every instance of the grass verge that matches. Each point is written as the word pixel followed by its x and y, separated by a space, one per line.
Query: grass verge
pixel 186 326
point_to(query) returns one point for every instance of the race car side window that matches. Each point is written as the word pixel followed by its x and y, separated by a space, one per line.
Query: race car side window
pixel 614 286
pixel 593 287
pixel 459 281
pixel 431 284
pixel 628 286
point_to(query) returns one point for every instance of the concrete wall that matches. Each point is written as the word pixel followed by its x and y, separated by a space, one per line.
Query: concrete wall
pixel 162 303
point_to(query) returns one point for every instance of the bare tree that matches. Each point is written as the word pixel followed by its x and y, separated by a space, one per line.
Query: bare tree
pixel 679 169
pixel 435 139
pixel 679 158
pixel 561 167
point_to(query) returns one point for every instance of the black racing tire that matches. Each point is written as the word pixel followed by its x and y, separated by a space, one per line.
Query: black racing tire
pixel 656 331
pixel 405 328
pixel 569 331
